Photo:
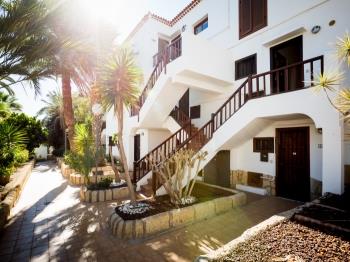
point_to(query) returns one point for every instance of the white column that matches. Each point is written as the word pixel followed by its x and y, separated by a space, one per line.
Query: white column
pixel 333 158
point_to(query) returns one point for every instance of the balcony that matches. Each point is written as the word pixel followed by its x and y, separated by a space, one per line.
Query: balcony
pixel 191 62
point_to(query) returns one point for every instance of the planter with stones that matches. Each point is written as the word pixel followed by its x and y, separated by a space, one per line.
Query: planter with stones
pixel 102 195
pixel 149 226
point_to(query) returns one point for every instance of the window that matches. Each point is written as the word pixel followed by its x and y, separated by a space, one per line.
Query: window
pixel 252 16
pixel 201 26
pixel 263 144
pixel 245 67
pixel 195 112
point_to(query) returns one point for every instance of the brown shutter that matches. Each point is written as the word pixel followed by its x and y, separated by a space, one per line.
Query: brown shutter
pixel 259 11
pixel 245 21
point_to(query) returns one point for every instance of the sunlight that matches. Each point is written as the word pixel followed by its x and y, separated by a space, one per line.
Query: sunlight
pixel 100 10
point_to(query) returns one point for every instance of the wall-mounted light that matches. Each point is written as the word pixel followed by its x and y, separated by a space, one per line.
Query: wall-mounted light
pixel 316 29
pixel 319 130
pixel 183 29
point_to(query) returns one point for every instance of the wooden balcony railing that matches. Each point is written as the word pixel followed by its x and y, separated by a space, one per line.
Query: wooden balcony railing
pixel 170 53
pixel 286 79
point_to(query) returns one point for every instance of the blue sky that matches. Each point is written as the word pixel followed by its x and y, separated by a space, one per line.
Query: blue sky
pixel 123 14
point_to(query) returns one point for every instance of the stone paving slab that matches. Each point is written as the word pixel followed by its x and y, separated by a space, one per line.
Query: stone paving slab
pixel 49 223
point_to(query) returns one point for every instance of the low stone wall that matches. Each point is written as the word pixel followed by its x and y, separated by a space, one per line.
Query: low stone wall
pixel 148 226
pixel 13 190
pixel 102 195
pixel 241 177
pixel 77 179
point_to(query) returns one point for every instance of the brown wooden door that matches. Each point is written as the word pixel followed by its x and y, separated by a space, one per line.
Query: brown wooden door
pixel 293 163
pixel 284 54
pixel 137 148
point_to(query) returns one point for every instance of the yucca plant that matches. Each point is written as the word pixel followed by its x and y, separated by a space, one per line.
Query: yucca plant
pixel 120 78
pixel 331 81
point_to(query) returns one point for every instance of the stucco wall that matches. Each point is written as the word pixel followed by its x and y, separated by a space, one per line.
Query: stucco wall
pixel 243 157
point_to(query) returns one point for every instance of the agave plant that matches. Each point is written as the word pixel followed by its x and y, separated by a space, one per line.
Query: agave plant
pixel 343 48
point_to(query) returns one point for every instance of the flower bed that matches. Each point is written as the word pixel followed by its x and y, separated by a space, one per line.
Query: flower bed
pixel 101 195
pixel 164 218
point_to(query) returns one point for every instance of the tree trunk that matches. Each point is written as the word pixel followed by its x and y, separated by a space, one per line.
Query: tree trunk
pixel 115 169
pixel 120 144
pixel 68 107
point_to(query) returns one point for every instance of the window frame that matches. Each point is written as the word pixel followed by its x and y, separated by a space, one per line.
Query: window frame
pixel 201 23
pixel 240 61
pixel 253 27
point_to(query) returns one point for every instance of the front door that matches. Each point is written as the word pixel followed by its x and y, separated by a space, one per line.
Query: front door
pixel 136 148
pixel 287 53
pixel 293 163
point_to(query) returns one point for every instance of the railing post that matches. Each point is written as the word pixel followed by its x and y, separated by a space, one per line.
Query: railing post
pixel 322 65
pixel 249 87
pixel 134 173
pixel 212 122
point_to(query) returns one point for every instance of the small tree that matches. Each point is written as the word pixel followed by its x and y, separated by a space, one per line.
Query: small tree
pixel 120 79
pixel 173 172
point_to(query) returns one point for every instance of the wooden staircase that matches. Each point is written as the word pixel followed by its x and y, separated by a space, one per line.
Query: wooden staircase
pixel 190 137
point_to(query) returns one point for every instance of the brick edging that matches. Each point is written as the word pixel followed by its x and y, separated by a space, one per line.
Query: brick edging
pixel 13 195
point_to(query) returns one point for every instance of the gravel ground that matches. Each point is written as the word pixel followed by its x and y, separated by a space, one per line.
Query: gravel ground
pixel 291 242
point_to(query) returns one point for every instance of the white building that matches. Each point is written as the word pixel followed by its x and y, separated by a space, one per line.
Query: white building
pixel 240 70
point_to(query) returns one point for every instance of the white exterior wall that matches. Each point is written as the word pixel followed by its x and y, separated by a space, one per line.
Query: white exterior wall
pixel 243 157
pixel 286 19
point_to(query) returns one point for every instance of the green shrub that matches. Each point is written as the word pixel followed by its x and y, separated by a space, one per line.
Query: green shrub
pixel 5 173
pixel 104 183
pixel 21 156
pixel 72 159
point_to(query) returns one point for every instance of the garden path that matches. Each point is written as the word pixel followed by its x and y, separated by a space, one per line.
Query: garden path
pixel 49 223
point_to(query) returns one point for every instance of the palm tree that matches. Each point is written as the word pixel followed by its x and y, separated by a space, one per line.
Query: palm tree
pixel 53 108
pixel 120 79
pixel 26 43
pixel 8 104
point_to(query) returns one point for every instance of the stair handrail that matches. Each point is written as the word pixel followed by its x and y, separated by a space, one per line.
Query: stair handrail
pixel 179 116
pixel 170 53
pixel 164 149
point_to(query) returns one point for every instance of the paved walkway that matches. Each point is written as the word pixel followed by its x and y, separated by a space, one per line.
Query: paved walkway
pixel 50 224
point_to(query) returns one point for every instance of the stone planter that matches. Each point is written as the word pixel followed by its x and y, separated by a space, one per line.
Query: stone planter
pixel 102 195
pixel 77 179
pixel 66 170
pixel 148 226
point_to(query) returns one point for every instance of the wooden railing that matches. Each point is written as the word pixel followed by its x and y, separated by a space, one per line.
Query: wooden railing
pixel 170 53
pixel 179 116
pixel 164 150
pixel 260 85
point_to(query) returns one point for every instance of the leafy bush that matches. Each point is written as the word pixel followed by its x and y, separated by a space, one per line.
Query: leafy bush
pixel 32 128
pixel 104 183
pixel 21 155
pixel 5 173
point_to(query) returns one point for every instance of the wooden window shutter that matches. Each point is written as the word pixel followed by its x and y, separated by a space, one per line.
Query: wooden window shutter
pixel 259 14
pixel 245 15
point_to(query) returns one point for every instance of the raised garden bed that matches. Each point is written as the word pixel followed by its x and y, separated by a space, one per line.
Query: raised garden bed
pixel 162 216
pixel 77 179
pixel 289 241
pixel 93 195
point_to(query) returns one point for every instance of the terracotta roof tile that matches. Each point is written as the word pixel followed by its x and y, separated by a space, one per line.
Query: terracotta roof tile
pixel 163 20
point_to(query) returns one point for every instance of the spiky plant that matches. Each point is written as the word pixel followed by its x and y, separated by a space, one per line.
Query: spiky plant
pixel 120 78
pixel 343 48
